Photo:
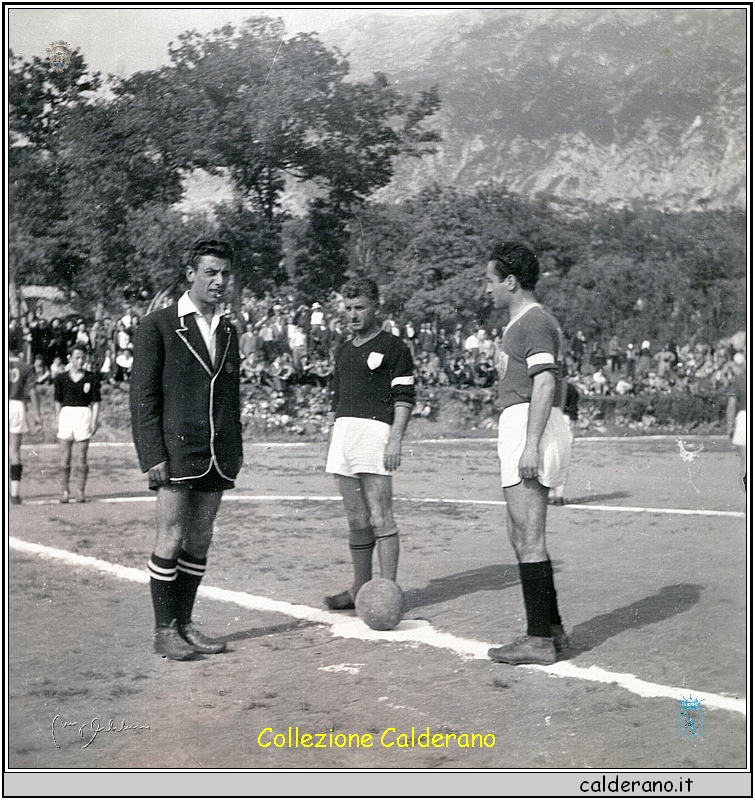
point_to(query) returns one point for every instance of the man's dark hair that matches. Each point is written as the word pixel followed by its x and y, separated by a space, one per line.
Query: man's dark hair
pixel 78 346
pixel 209 247
pixel 362 287
pixel 514 258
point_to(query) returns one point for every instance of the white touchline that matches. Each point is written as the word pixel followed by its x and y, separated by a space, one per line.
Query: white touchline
pixel 417 631
pixel 276 498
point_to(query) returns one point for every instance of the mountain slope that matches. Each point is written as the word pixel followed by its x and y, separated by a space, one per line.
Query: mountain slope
pixel 608 105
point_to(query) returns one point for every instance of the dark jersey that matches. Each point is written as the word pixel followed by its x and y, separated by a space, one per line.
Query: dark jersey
pixel 531 344
pixel 370 379
pixel 81 393
pixel 20 379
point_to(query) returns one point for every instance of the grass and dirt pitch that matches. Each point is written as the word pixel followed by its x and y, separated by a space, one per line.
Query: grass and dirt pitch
pixel 650 559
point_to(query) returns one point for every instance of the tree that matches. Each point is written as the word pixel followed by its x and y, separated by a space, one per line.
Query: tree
pixel 40 101
pixel 264 109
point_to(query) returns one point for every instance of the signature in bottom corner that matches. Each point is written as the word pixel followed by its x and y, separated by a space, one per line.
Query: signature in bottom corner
pixel 92 728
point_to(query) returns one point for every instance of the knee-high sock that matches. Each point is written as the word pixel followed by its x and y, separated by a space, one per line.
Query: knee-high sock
pixel 361 545
pixel 65 473
pixel 15 477
pixel 162 581
pixel 539 596
pixel 190 573
pixel 79 474
pixel 388 552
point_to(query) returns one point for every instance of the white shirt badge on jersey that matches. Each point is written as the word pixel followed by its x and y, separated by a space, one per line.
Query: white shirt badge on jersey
pixel 374 360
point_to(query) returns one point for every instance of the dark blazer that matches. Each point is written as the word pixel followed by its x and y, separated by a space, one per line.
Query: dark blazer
pixel 184 410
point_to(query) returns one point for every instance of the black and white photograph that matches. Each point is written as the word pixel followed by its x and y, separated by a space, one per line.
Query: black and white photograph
pixel 377 400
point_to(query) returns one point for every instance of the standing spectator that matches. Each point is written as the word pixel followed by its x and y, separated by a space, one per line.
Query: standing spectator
pixel 318 332
pixel 427 339
pixel 578 349
pixel 614 362
pixel 249 341
pixel 487 348
pixel 335 337
pixel 82 336
pixel 410 337
pixel 665 359
pixel 644 362
pixel 472 347
pixel 40 339
pixel 21 392
pixel 77 406
pixel 373 395
pixel 267 335
pixel 186 419
pixel 100 350
pixel 70 329
pixel 56 346
pixel 457 341
pixel 297 344
pixel 41 372
pixel 533 445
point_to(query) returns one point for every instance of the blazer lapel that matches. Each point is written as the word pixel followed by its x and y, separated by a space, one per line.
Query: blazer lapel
pixel 189 334
pixel 222 343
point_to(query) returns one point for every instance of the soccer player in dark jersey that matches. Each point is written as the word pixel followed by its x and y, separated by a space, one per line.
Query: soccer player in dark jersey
pixel 77 406
pixel 21 391
pixel 533 444
pixel 373 396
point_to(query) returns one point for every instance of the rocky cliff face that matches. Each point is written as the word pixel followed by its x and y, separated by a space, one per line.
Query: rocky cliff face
pixel 608 105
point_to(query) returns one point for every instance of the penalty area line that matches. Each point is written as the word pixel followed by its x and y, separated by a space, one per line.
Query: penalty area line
pixel 414 631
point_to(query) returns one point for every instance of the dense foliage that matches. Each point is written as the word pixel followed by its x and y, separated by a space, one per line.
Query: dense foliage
pixel 641 273
pixel 96 173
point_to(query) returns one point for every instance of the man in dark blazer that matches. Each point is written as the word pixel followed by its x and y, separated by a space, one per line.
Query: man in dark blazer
pixel 186 422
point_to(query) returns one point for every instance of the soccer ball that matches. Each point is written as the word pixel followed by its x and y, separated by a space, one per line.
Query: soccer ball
pixel 380 604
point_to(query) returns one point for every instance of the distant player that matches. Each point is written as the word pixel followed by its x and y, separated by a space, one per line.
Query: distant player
pixel 736 418
pixel 373 396
pixel 21 392
pixel 77 406
pixel 533 444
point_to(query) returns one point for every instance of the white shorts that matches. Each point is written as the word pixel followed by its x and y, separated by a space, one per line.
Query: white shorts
pixel 555 446
pixel 739 437
pixel 75 423
pixel 358 445
pixel 17 417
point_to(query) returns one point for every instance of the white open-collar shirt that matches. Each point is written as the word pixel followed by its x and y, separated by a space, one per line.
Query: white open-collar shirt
pixel 209 329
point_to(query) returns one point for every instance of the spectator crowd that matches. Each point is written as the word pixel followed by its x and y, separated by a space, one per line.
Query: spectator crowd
pixel 284 343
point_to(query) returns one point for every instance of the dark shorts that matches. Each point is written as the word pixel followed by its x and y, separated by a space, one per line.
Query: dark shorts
pixel 213 481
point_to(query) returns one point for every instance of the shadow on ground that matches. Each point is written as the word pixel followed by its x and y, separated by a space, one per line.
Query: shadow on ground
pixel 438 590
pixel 597 498
pixel 267 630
pixel 666 603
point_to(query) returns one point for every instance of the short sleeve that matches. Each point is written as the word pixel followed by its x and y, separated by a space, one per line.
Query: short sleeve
pixel 402 377
pixel 542 344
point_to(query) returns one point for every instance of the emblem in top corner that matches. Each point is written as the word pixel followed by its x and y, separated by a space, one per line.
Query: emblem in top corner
pixel 60 54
